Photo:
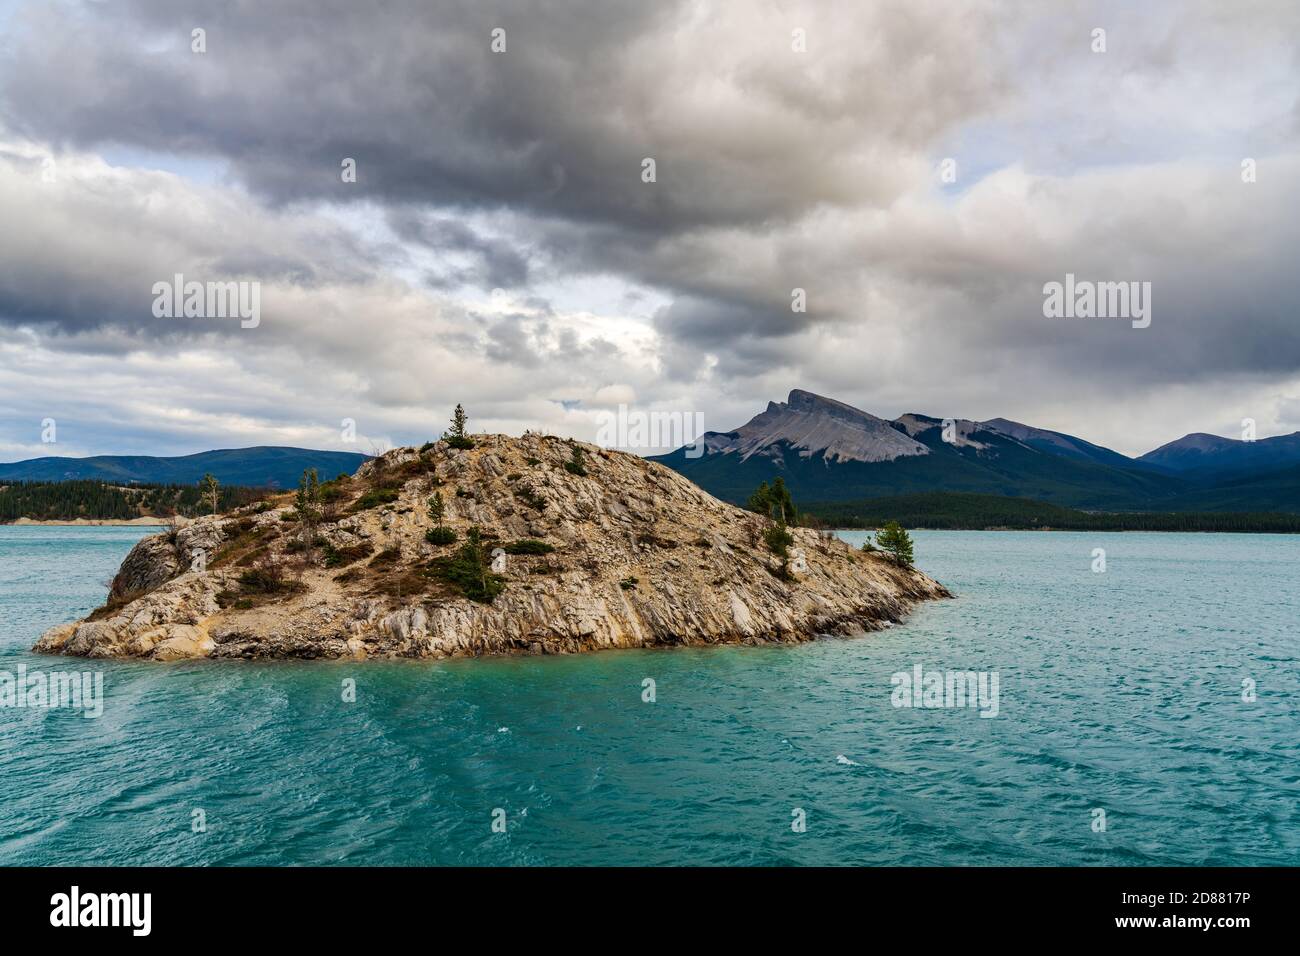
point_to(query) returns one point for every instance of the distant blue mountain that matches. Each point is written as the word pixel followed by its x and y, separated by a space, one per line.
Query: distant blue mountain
pixel 261 467
pixel 1199 454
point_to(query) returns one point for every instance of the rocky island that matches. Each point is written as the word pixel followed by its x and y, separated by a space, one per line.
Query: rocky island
pixel 531 545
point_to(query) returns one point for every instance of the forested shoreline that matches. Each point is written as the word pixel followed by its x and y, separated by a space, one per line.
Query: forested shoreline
pixel 106 501
pixel 958 511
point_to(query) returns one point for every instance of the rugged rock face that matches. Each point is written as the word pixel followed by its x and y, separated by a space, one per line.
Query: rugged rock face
pixel 638 556
pixel 815 424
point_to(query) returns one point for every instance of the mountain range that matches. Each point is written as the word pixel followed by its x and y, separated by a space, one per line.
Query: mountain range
pixel 829 451
pixel 264 466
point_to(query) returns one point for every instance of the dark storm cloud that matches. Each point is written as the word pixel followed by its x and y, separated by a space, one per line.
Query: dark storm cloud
pixel 746 133
pixel 497 265
pixel 558 124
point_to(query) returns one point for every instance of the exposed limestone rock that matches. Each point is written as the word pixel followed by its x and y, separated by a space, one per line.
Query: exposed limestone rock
pixel 641 557
pixel 176 642
pixel 816 425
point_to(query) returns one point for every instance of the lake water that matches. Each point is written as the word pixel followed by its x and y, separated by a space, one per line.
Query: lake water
pixel 1119 692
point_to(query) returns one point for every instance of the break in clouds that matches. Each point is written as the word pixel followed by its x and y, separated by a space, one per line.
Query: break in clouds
pixel 500 246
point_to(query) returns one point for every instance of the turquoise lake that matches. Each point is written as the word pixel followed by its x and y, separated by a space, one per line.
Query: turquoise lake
pixel 1119 691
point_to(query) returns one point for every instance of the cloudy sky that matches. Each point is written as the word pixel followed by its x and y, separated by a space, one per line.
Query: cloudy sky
pixel 500 248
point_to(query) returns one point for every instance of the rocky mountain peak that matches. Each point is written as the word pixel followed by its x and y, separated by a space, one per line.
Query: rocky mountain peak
pixel 813 424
